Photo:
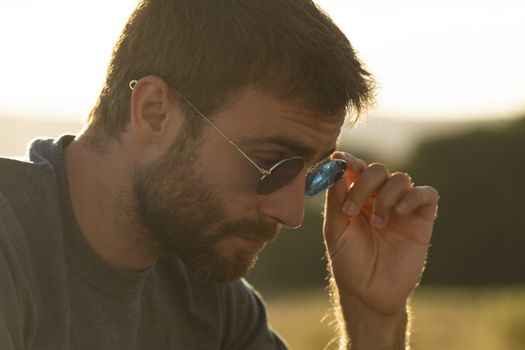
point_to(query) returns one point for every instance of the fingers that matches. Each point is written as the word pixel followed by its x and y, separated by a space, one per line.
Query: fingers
pixel 388 198
pixel 354 165
pixel 374 177
pixel 389 194
pixel 424 198
pixel 335 219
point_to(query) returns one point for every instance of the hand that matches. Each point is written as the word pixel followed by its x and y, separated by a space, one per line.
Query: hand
pixel 377 231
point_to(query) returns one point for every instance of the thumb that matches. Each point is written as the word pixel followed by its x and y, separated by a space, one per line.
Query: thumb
pixel 335 220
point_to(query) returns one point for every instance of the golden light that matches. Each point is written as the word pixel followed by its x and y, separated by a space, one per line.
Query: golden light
pixel 446 60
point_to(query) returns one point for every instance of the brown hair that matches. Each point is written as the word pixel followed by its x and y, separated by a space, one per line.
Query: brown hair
pixel 208 50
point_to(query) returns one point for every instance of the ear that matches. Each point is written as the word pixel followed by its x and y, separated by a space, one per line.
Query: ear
pixel 155 117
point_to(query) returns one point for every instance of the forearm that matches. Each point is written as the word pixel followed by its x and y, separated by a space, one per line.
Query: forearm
pixel 362 329
pixel 369 331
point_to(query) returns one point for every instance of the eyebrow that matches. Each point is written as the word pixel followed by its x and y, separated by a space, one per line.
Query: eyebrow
pixel 296 147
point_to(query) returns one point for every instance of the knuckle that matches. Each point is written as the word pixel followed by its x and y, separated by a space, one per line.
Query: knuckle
pixel 401 177
pixel 433 192
pixel 358 163
pixel 346 156
pixel 426 195
pixel 361 163
pixel 386 204
pixel 379 169
pixel 357 198
pixel 415 195
pixel 419 194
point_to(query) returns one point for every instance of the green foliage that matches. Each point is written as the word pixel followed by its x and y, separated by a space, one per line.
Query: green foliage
pixel 479 237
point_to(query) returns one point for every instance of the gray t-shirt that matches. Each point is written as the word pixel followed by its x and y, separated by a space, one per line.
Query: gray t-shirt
pixel 56 293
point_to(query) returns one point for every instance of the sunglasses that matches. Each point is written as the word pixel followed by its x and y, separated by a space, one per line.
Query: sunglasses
pixel 283 172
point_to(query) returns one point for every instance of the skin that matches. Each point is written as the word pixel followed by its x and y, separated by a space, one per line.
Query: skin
pixel 375 267
pixel 377 263
pixel 101 184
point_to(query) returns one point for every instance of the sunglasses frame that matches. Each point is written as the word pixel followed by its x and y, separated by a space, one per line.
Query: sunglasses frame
pixel 265 174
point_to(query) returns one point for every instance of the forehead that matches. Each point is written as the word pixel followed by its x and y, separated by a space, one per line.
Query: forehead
pixel 258 116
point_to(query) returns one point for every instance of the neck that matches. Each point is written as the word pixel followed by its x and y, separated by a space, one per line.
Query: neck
pixel 99 184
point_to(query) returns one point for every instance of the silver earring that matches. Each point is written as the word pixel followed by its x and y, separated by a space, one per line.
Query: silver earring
pixel 132 84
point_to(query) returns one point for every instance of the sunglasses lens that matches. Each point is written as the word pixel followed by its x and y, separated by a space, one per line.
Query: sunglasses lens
pixel 281 173
pixel 324 177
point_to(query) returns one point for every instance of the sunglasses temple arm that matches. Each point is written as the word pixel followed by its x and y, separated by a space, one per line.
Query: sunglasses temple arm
pixel 262 171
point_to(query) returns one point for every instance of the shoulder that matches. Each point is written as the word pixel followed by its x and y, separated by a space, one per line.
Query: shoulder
pixel 19 173
pixel 19 177
pixel 14 248
pixel 29 185
pixel 29 215
pixel 18 287
pixel 19 182
pixel 31 254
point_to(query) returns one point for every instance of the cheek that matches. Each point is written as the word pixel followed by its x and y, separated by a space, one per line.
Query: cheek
pixel 235 180
pixel 231 176
pixel 229 171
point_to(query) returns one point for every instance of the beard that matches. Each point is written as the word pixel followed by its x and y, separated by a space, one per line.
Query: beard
pixel 180 214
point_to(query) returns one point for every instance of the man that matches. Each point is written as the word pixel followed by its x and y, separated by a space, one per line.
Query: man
pixel 135 234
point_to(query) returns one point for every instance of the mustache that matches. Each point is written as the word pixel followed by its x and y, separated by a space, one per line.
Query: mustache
pixel 253 230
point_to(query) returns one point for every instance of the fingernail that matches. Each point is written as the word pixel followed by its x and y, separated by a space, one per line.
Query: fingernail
pixel 350 208
pixel 402 207
pixel 377 221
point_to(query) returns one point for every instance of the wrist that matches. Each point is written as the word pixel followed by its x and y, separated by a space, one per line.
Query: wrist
pixel 371 330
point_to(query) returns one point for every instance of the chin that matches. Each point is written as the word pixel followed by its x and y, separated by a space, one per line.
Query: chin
pixel 226 269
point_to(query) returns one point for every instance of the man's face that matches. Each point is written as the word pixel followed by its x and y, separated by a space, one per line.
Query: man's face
pixel 199 201
pixel 187 216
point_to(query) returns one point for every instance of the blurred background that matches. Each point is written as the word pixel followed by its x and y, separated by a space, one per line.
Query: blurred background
pixel 450 111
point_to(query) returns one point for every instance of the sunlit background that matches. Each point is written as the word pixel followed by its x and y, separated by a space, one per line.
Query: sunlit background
pixel 434 60
pixel 450 70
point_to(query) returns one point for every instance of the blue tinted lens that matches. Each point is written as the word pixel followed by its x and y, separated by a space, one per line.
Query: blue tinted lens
pixel 324 176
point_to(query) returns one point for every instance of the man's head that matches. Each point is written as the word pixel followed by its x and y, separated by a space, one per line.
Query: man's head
pixel 198 199
pixel 185 214
pixel 277 77
pixel 208 50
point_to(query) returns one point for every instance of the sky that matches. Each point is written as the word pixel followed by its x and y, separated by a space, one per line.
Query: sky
pixel 433 60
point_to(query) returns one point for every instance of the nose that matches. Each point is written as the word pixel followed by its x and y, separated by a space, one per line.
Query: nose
pixel 286 205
